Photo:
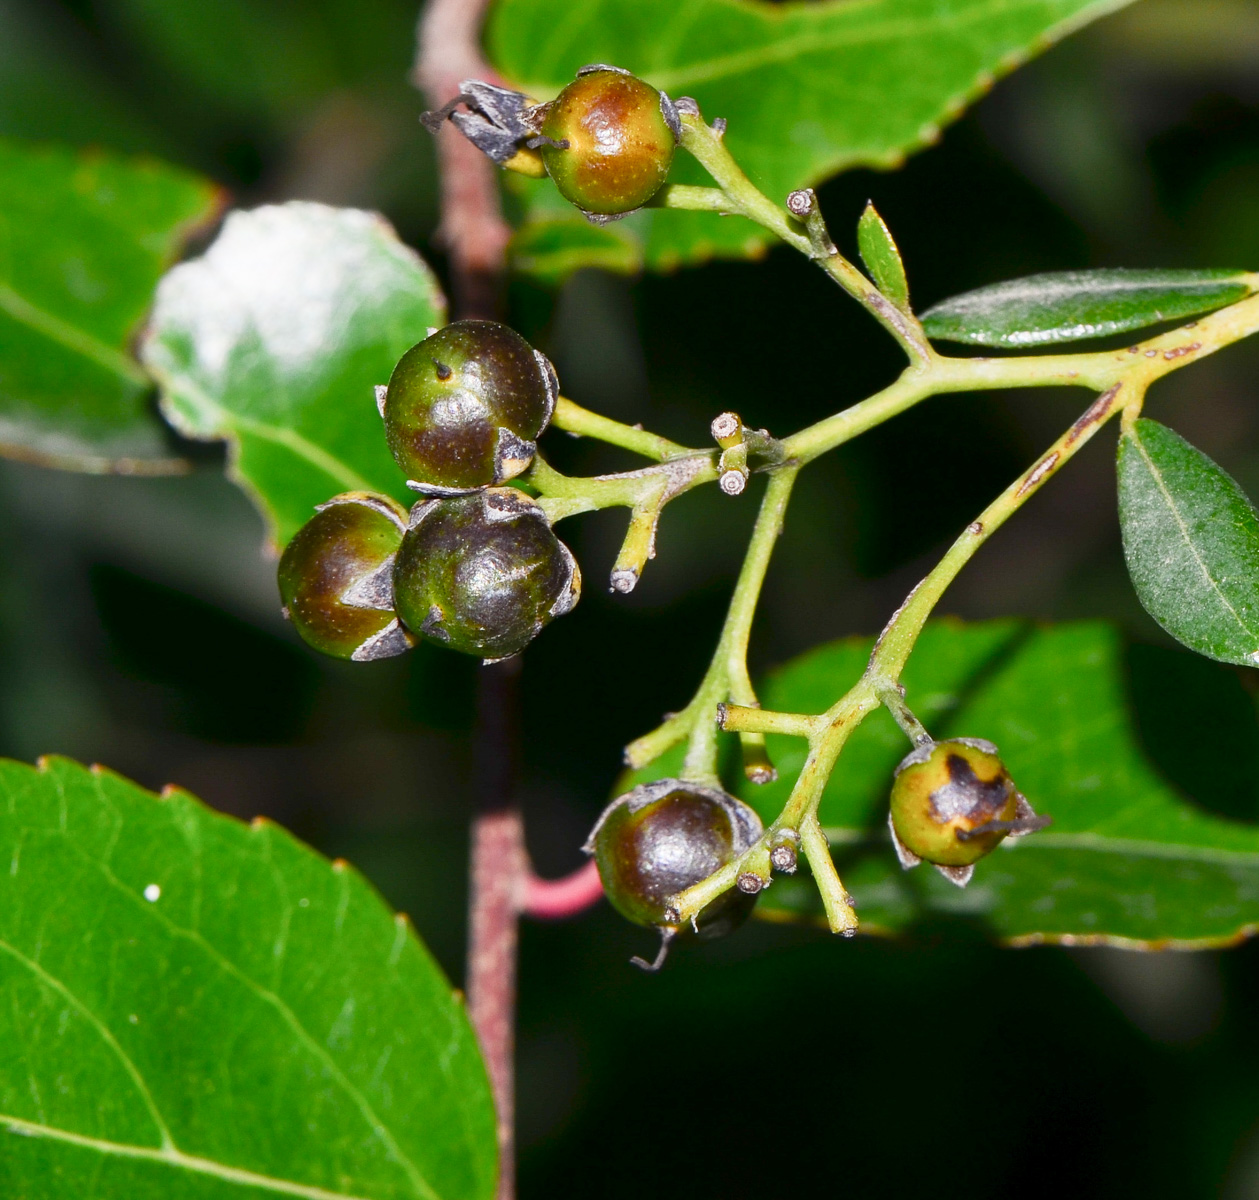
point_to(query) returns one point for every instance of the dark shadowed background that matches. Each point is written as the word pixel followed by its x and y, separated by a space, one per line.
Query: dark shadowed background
pixel 139 622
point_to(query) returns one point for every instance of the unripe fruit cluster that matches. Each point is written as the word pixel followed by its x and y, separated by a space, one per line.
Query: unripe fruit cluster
pixel 473 566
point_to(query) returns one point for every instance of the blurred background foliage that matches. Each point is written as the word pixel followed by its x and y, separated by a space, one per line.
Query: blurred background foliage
pixel 139 623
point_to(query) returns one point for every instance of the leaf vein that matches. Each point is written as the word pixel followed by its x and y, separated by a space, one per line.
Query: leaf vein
pixel 1156 475
pixel 173 1158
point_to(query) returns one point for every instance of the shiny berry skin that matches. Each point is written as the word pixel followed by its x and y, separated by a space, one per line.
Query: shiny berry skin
pixel 336 576
pixel 944 791
pixel 661 838
pixel 464 407
pixel 620 134
pixel 483 573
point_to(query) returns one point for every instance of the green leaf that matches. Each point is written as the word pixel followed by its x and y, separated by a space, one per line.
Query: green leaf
pixel 1071 306
pixel 1127 861
pixel 1191 538
pixel 274 341
pixel 809 89
pixel 882 258
pixel 550 251
pixel 84 238
pixel 200 1008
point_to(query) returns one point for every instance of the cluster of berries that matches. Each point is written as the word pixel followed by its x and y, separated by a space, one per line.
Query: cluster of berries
pixel 952 803
pixel 474 565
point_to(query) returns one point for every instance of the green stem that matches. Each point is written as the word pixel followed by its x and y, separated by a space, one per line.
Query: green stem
pixel 744 197
pixel 892 650
pixel 696 199
pixel 561 496
pixel 727 676
pixel 572 418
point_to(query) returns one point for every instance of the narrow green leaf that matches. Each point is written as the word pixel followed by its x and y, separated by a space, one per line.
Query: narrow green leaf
pixel 84 238
pixel 274 340
pixel 809 89
pixel 1127 861
pixel 1072 306
pixel 1191 538
pixel 196 1007
pixel 882 258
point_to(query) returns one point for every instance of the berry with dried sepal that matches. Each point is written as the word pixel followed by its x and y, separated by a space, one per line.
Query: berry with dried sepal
pixel 952 803
pixel 608 140
pixel 498 121
pixel 660 839
pixel 464 407
pixel 336 578
pixel 483 573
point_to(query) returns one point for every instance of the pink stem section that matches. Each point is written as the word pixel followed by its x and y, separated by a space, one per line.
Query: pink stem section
pixel 555 899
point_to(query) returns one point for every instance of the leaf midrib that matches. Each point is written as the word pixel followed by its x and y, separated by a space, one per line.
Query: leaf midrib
pixel 1098 843
pixel 783 49
pixel 172 1157
pixel 70 337
pixel 1156 475
pixel 229 425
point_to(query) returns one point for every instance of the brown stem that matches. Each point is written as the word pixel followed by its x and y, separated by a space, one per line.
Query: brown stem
pixel 498 870
pixel 472 226
pixel 475 236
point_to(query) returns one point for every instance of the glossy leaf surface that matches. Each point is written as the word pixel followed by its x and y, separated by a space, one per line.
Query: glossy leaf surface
pixel 1191 538
pixel 1072 306
pixel 1127 860
pixel 882 258
pixel 84 238
pixel 274 340
pixel 200 1008
pixel 808 89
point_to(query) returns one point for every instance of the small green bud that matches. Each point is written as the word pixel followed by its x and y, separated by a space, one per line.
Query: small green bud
pixel 609 141
pixel 336 574
pixel 952 803
pixel 483 573
pixel 464 407
pixel 662 837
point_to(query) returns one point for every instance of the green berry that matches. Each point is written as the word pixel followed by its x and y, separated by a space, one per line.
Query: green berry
pixel 336 576
pixel 952 803
pixel 609 141
pixel 483 573
pixel 464 407
pixel 661 838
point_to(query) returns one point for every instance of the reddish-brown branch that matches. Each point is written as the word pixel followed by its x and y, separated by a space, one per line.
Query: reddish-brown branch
pixel 472 226
pixel 475 237
pixel 501 885
pixel 555 899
